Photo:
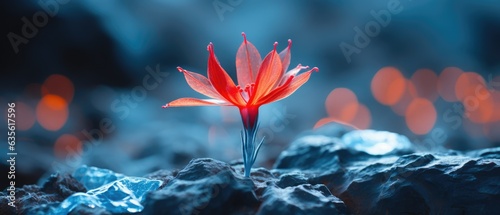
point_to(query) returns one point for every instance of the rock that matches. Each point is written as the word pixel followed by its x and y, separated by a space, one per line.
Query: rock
pixel 62 184
pixel 310 152
pixel 377 142
pixel 262 178
pixel 318 153
pixel 493 153
pixel 329 171
pixel 93 177
pixel 204 186
pixel 163 175
pixel 116 194
pixel 303 199
pixel 85 210
pixel 425 184
pixel 121 196
pixel 292 179
pixel 56 189
pixel 418 183
pixel 207 186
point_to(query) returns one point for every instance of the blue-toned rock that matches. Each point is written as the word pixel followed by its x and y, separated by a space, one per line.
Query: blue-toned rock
pixel 57 187
pixel 395 182
pixel 93 177
pixel 304 199
pixel 121 196
pixel 328 171
pixel 376 142
pixel 204 186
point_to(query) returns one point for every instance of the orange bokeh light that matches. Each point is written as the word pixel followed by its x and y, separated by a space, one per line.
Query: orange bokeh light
pixel 495 97
pixel 446 83
pixel 342 104
pixel 327 120
pixel 467 84
pixel 478 108
pixel 59 85
pixel 52 112
pixel 66 145
pixel 388 85
pixel 363 118
pixel 425 82
pixel 410 93
pixel 420 116
pixel 25 116
pixel 343 108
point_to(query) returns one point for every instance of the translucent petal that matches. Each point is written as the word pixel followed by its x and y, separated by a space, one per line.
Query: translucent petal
pixel 221 81
pixel 200 84
pixel 288 88
pixel 285 56
pixel 270 73
pixel 183 102
pixel 248 61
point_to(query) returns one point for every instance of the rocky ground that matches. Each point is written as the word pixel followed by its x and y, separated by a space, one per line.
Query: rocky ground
pixel 329 171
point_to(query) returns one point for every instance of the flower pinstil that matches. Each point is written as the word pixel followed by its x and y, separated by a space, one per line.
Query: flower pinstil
pixel 259 82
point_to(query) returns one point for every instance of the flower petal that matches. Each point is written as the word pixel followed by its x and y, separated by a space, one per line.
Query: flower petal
pixel 285 56
pixel 183 102
pixel 270 73
pixel 247 62
pixel 200 84
pixel 292 72
pixel 291 85
pixel 221 81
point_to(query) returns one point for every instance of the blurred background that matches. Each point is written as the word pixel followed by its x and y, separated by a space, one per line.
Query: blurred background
pixel 89 77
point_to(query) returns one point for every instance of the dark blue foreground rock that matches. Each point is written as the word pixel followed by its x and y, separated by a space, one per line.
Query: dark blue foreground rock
pixel 329 171
pixel 205 186
pixel 208 186
pixel 398 182
pixel 303 199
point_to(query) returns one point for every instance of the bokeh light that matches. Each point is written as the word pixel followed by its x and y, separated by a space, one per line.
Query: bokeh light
pixel 420 116
pixel 342 104
pixel 25 116
pixel 479 108
pixel 495 97
pixel 52 112
pixel 326 120
pixel 388 85
pixel 425 82
pixel 408 96
pixel 467 85
pixel 59 85
pixel 446 83
pixel 343 107
pixel 66 145
pixel 363 118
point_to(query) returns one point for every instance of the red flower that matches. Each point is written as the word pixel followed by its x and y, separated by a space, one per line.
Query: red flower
pixel 259 81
